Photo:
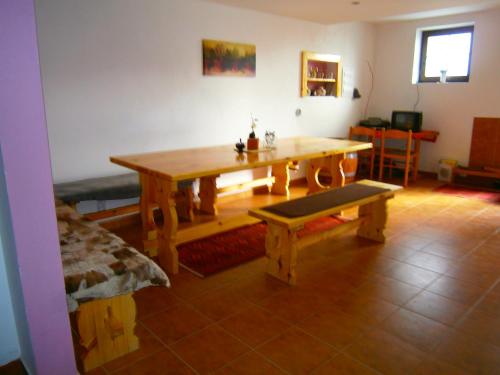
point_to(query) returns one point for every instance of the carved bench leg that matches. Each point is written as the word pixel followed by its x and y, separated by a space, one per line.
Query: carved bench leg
pixel 106 330
pixel 281 252
pixel 374 217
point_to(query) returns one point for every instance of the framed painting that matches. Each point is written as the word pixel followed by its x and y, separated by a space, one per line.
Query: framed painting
pixel 228 58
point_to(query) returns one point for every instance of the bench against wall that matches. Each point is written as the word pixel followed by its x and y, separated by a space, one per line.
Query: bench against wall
pixel 286 220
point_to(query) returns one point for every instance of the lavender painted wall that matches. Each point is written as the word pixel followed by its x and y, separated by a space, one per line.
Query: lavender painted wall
pixel 32 255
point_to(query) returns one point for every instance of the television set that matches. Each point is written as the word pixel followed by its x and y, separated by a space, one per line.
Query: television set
pixel 406 120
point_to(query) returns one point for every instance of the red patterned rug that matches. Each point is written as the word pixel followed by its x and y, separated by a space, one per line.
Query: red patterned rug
pixel 225 250
pixel 464 192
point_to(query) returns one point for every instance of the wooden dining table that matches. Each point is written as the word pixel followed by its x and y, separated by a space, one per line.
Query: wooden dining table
pixel 161 172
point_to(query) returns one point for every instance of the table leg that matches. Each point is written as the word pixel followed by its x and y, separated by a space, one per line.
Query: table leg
pixel 333 164
pixel 337 171
pixel 147 203
pixel 167 252
pixel 208 195
pixel 281 176
pixel 417 159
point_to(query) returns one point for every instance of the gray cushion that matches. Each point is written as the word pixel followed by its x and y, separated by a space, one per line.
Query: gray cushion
pixel 103 188
pixel 322 201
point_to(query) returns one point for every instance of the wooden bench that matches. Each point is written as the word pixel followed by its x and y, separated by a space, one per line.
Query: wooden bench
pixel 286 220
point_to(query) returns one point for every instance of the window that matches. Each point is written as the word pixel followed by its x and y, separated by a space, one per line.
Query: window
pixel 447 53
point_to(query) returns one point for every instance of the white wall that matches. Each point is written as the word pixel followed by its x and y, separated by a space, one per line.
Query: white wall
pixel 125 76
pixel 448 108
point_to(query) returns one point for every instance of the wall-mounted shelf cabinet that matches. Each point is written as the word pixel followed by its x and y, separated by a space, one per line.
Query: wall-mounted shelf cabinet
pixel 321 74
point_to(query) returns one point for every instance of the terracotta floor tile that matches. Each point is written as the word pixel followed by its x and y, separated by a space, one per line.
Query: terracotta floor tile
pixel 334 327
pixel 415 329
pixel 473 275
pixel 483 326
pixel 490 304
pixel 433 306
pixel 185 285
pixel 344 365
pixel 488 252
pixel 366 309
pixel 411 241
pixel 294 305
pixel 474 356
pixel 152 300
pixel 375 264
pixel 254 325
pixel 209 349
pixel 148 345
pixel 159 363
pixel 258 287
pixel 397 251
pixel 331 286
pixel 444 250
pixel 296 352
pixel 460 291
pixel 175 323
pixel 385 353
pixel 430 366
pixel 388 289
pixel 413 275
pixel 220 304
pixel 430 262
pixel 250 364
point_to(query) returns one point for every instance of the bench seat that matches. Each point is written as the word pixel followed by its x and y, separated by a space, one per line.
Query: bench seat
pixel 123 186
pixel 286 220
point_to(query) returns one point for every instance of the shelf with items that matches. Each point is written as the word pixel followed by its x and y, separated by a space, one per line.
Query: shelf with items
pixel 321 74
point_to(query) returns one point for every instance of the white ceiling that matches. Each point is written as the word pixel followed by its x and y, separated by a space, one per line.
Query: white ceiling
pixel 333 11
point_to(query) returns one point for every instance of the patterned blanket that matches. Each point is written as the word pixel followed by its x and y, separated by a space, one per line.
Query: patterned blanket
pixel 97 264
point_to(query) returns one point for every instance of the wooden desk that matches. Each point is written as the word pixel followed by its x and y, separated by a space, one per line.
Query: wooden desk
pixel 161 171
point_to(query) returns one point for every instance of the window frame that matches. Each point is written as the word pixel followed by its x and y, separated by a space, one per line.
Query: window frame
pixel 423 52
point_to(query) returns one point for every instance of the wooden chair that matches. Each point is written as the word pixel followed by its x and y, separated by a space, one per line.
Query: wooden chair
pixel 365 156
pixel 401 158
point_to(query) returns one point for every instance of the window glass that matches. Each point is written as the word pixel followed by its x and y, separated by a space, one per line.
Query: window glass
pixel 446 50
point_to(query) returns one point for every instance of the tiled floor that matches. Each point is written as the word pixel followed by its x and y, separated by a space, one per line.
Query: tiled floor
pixel 426 302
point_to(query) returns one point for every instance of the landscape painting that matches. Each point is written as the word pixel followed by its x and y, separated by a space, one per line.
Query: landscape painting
pixel 228 58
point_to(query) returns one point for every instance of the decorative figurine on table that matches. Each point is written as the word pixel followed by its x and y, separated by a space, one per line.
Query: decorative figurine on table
pixel 253 141
pixel 240 146
pixel 270 137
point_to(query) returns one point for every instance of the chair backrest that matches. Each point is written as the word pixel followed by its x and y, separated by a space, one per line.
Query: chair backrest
pixel 399 134
pixel 361 131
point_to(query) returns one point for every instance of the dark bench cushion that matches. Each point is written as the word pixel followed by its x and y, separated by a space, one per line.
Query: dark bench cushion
pixel 103 188
pixel 324 200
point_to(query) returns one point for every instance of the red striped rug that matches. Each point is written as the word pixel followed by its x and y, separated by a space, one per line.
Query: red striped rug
pixel 465 192
pixel 217 253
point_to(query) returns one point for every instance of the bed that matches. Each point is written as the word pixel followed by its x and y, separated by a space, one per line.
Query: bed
pixel 101 272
